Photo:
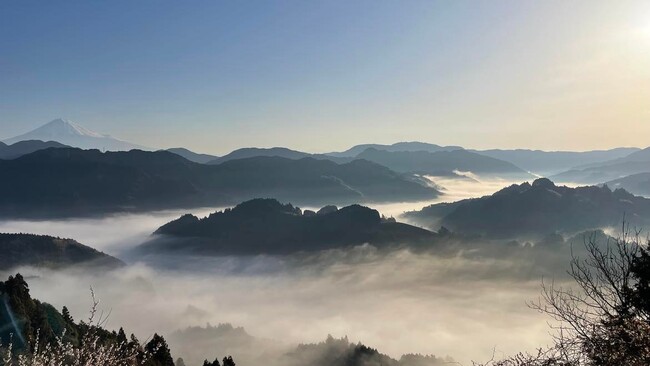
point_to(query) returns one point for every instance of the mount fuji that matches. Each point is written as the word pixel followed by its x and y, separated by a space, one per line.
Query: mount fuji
pixel 72 134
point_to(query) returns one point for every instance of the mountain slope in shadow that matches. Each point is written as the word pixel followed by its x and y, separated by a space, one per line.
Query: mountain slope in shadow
pixel 192 156
pixel 46 251
pixel 396 147
pixel 66 181
pixel 21 148
pixel 442 162
pixel 635 163
pixel 638 184
pixel 535 210
pixel 554 162
pixel 266 226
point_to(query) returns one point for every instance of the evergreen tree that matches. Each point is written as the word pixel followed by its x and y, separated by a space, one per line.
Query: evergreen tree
pixel 66 315
pixel 213 363
pixel 121 337
pixel 159 352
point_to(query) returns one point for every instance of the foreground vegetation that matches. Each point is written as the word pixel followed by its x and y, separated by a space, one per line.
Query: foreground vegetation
pixel 604 320
pixel 36 334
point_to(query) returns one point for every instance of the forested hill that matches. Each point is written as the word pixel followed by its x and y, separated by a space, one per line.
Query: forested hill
pixel 65 181
pixel 536 210
pixel 265 226
pixel 46 251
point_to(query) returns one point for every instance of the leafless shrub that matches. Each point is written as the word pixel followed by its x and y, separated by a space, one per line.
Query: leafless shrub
pixel 595 322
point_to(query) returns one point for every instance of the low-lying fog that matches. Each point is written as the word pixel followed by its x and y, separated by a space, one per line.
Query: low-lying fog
pixel 111 234
pixel 399 302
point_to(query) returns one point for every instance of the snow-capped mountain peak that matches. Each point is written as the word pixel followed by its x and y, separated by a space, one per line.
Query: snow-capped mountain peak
pixel 64 127
pixel 75 135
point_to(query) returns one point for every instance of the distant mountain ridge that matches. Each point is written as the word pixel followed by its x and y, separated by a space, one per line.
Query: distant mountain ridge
pixel 640 155
pixel 21 148
pixel 635 163
pixel 537 209
pixel 410 146
pixel 441 162
pixel 638 184
pixel 280 152
pixel 553 162
pixel 251 152
pixel 192 156
pixel 409 157
pixel 68 181
pixel 72 134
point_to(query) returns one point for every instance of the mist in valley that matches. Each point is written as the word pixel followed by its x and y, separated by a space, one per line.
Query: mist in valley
pixel 463 301
pixel 399 302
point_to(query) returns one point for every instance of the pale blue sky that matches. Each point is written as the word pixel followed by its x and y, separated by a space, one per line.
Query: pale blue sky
pixel 324 75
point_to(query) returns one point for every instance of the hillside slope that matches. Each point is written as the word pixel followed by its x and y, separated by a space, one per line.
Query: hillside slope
pixel 76 182
pixel 537 209
pixel 265 226
pixel 46 251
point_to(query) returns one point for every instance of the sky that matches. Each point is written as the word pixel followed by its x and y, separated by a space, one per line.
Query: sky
pixel 321 76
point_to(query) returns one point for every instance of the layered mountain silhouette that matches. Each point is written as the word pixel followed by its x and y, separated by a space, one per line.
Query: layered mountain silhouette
pixel 400 146
pixel 46 251
pixel 441 162
pixel 638 184
pixel 639 156
pixel 412 157
pixel 72 181
pixel 535 210
pixel 635 163
pixel 281 152
pixel 72 134
pixel 554 162
pixel 21 148
pixel 251 152
pixel 266 226
pixel 192 156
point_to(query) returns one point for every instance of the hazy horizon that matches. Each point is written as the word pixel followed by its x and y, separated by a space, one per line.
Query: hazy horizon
pixel 221 152
pixel 214 76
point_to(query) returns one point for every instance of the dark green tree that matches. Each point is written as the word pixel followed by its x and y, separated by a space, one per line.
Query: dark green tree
pixel 66 315
pixel 213 363
pixel 158 351
pixel 121 337
pixel 228 361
